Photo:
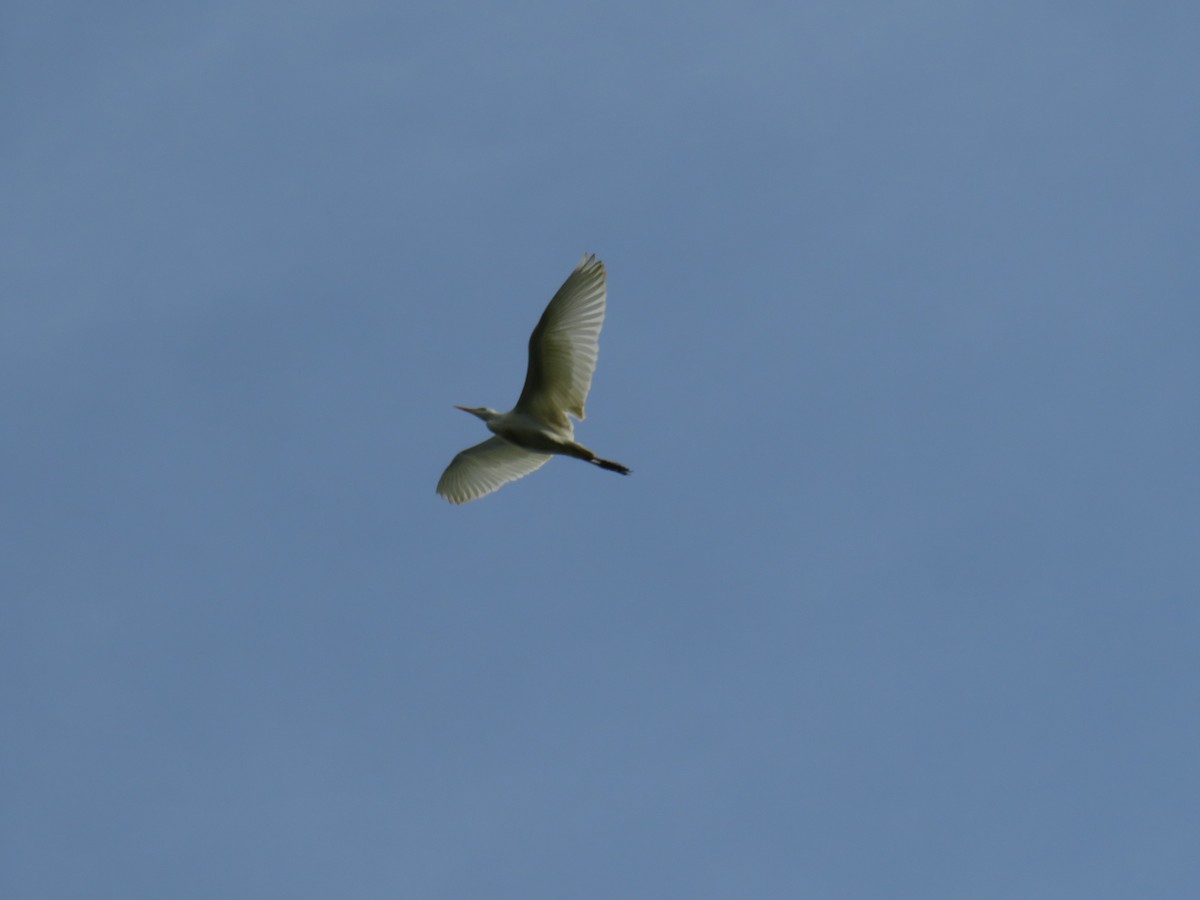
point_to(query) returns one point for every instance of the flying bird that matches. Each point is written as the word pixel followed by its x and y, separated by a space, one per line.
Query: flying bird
pixel 562 356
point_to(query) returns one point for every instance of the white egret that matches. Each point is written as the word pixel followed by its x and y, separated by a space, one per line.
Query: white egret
pixel 562 356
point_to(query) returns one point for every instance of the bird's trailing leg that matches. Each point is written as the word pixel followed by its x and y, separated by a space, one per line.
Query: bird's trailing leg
pixel 581 452
pixel 611 466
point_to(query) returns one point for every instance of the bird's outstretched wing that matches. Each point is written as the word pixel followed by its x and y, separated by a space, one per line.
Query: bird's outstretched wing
pixel 481 469
pixel 564 346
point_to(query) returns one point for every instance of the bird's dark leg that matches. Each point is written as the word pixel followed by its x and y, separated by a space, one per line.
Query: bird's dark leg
pixel 581 452
pixel 611 466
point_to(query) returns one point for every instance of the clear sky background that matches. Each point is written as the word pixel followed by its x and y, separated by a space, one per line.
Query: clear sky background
pixel 903 346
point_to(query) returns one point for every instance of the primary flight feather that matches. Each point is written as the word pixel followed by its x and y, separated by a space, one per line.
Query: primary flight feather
pixel 562 357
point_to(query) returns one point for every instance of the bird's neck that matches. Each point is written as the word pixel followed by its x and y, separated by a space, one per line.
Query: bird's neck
pixel 489 416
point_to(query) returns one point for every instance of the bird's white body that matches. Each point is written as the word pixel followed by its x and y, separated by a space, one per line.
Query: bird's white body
pixel 562 357
pixel 526 431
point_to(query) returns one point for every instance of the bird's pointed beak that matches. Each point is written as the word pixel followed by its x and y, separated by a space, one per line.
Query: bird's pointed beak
pixel 464 408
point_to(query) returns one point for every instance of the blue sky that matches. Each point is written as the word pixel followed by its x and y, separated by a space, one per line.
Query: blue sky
pixel 901 600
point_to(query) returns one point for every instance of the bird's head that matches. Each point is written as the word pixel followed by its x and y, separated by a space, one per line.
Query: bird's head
pixel 483 412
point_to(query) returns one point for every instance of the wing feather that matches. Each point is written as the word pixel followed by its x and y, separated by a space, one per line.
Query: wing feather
pixel 481 469
pixel 564 346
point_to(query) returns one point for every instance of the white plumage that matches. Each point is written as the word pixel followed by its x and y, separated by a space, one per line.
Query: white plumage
pixel 562 357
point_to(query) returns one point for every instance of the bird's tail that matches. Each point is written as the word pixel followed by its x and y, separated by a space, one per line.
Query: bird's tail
pixel 610 465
